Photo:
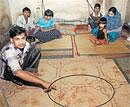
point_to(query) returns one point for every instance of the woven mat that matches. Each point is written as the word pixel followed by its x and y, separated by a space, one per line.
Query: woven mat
pixel 85 47
pixel 124 66
pixel 76 91
pixel 94 92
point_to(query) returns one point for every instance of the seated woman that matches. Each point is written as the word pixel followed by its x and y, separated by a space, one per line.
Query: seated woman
pixel 100 33
pixel 94 17
pixel 47 31
pixel 114 23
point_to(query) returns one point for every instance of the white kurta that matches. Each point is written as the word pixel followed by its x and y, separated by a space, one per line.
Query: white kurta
pixel 22 22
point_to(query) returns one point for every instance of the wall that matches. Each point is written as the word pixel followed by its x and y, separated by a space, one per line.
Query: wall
pixel 119 4
pixel 127 18
pixel 4 16
pixel 5 21
pixel 64 9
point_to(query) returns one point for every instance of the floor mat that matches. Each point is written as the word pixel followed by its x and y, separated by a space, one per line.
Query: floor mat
pixel 58 48
pixel 102 83
pixel 124 66
pixel 85 47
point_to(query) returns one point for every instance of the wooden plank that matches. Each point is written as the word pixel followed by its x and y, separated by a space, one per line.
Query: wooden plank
pixel 85 47
pixel 59 48
pixel 63 43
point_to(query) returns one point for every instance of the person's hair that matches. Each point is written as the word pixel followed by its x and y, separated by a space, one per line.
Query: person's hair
pixel 16 30
pixel 48 12
pixel 113 9
pixel 26 9
pixel 103 20
pixel 97 5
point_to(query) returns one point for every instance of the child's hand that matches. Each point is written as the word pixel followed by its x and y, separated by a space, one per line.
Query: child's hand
pixel 89 28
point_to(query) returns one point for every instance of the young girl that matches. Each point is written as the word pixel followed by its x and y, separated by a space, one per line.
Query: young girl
pixel 47 31
pixel 100 33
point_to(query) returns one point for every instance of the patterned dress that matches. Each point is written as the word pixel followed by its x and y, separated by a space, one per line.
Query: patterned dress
pixel 48 34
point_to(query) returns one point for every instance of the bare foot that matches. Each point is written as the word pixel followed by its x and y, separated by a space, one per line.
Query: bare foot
pixel 98 43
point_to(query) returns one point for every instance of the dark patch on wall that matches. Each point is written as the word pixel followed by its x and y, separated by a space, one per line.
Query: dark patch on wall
pixel 5 22
pixel 127 17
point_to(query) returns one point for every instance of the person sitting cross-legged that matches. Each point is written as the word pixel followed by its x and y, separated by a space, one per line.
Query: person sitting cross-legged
pixel 47 30
pixel 100 35
pixel 114 24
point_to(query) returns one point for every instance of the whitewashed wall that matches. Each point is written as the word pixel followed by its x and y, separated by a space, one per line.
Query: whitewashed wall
pixel 63 9
pixel 120 5
pixel 69 9
pixel 16 7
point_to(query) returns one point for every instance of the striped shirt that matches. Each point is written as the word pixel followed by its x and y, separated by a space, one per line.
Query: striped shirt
pixel 14 56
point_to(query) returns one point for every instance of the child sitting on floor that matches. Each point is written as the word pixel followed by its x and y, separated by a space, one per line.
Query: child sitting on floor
pixel 100 33
pixel 47 31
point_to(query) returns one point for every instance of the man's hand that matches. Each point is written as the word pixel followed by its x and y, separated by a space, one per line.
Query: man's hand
pixel 47 87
